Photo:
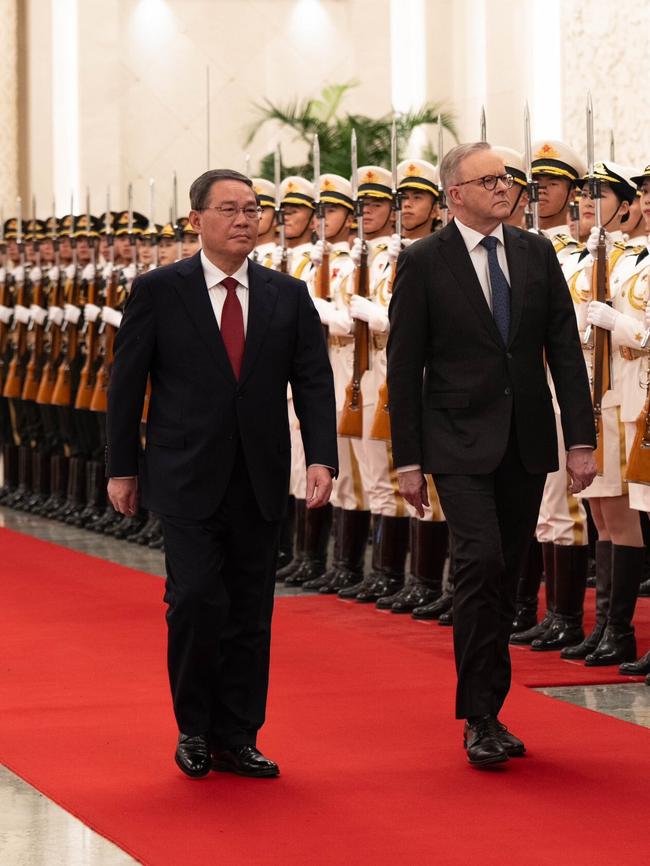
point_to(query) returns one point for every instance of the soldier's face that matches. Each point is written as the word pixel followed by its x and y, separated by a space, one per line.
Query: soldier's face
pixel 83 251
pixel 266 221
pixel 122 246
pixel 376 214
pixel 166 251
pixel 30 252
pixel 47 251
pixel 645 203
pixel 145 253
pixel 297 220
pixel 337 220
pixel 13 252
pixel 191 244
pixel 65 250
pixel 611 209
pixel 553 194
pixel 418 207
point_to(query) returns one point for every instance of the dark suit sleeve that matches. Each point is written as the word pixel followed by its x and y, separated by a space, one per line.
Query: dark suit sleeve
pixel 134 346
pixel 566 361
pixel 407 342
pixel 312 385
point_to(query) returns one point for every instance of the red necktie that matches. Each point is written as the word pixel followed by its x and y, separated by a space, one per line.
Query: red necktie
pixel 232 325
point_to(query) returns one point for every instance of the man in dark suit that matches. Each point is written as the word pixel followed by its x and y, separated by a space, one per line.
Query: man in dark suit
pixel 220 338
pixel 476 311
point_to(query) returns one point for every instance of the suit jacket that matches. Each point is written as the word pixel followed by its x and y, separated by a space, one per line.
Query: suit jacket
pixel 199 412
pixel 453 385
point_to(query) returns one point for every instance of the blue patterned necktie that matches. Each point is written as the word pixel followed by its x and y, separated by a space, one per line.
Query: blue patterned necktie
pixel 500 288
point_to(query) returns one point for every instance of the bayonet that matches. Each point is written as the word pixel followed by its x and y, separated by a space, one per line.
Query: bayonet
pixel 320 211
pixel 483 124
pixel 594 182
pixel 152 233
pixel 207 114
pixel 397 201
pixel 444 210
pixel 533 185
pixel 279 214
pixel 612 146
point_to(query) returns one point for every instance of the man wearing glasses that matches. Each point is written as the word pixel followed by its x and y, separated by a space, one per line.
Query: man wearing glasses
pixel 476 310
pixel 220 337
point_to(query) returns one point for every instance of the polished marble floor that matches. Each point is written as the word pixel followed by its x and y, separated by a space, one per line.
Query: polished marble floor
pixel 34 831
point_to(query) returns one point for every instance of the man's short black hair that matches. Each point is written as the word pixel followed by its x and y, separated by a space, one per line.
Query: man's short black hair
pixel 200 189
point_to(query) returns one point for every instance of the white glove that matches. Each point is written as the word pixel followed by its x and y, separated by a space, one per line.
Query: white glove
pixel 111 316
pixel 394 248
pixel 276 257
pixel 35 274
pixel 340 323
pixel 130 272
pixel 5 314
pixel 324 310
pixel 21 314
pixel 70 272
pixel 91 312
pixel 55 315
pixel 406 242
pixel 88 273
pixel 316 253
pixel 3 275
pixel 368 311
pixel 38 314
pixel 355 251
pixel 53 274
pixel 18 274
pixel 592 242
pixel 602 315
pixel 71 313
pixel 107 272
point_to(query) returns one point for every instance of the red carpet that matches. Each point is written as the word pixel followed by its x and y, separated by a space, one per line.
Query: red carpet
pixel 360 719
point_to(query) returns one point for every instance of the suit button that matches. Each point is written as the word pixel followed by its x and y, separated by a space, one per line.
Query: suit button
pixel 509 356
pixel 508 391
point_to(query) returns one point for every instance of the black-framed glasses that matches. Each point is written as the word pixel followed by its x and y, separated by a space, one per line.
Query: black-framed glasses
pixel 230 211
pixel 490 181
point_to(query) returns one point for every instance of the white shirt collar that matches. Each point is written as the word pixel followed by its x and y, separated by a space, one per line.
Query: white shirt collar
pixel 473 238
pixel 214 275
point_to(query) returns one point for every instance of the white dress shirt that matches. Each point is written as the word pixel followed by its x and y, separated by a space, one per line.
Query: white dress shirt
pixel 213 277
pixel 479 255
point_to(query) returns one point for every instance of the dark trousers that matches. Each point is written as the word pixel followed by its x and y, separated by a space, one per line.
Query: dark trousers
pixel 220 584
pixel 492 520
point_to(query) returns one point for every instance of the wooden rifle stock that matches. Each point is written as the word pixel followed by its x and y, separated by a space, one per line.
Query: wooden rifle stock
pixel 323 284
pixel 54 352
pixel 602 350
pixel 36 360
pixel 13 385
pixel 4 333
pixel 381 421
pixel 62 393
pixel 87 378
pixel 99 401
pixel 638 464
pixel 351 423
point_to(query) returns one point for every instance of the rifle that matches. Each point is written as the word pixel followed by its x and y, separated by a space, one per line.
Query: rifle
pixel 5 309
pixel 444 210
pixel 279 213
pixel 62 391
pixel 601 347
pixel 532 214
pixel 99 399
pixel 638 463
pixel 53 328
pixel 322 288
pixel 36 327
pixel 13 385
pixel 87 378
pixel 351 423
pixel 380 428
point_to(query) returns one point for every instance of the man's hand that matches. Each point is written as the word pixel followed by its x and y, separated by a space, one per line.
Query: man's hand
pixel 581 468
pixel 413 487
pixel 319 486
pixel 123 494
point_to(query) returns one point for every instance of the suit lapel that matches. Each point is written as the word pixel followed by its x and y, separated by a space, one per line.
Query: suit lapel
pixel 455 253
pixel 516 249
pixel 194 294
pixel 261 302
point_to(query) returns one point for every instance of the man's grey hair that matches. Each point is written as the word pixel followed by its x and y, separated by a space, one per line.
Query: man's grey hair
pixel 200 189
pixel 450 165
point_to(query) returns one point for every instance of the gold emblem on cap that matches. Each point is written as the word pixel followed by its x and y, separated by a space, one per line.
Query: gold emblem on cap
pixel 327 184
pixel 412 170
pixel 291 187
pixel 548 151
pixel 370 177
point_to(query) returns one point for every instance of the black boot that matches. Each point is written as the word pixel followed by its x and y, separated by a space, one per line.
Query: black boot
pixel 527 637
pixel 350 591
pixel 444 603
pixel 287 531
pixel 23 491
pixel 352 536
pixel 76 489
pixel 58 486
pixel 142 537
pixel 393 548
pixel 95 495
pixel 299 550
pixel 637 668
pixel 571 564
pixel 40 481
pixel 10 470
pixel 424 584
pixel 318 525
pixel 644 589
pixel 603 592
pixel 618 643
pixel 315 583
pixel 528 589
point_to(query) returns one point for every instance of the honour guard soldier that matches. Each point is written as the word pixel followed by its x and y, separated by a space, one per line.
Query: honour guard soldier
pixel 266 240
pixel 518 192
pixel 167 245
pixel 190 238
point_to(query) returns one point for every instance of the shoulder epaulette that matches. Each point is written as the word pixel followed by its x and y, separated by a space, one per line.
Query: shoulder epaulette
pixel 564 241
pixel 620 245
pixel 636 249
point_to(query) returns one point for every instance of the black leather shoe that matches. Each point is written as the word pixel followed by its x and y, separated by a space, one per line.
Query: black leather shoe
pixel 446 618
pixel 482 740
pixel 244 761
pixel 433 609
pixel 637 668
pixel 193 755
pixel 513 745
